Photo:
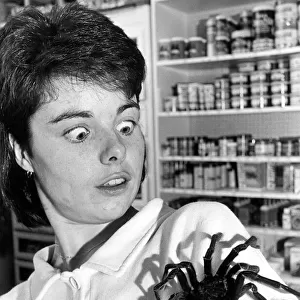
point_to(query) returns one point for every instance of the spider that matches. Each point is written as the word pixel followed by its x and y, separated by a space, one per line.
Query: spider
pixel 222 285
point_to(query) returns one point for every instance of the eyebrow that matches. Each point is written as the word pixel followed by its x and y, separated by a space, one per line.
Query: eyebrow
pixel 72 113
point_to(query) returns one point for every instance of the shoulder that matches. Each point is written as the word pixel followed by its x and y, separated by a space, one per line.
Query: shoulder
pixel 19 292
pixel 209 217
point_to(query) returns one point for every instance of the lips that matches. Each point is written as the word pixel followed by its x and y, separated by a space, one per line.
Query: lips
pixel 115 183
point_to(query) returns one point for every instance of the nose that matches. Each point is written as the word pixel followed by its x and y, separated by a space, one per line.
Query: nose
pixel 113 149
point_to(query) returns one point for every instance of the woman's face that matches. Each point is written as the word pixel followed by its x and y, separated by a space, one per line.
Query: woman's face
pixel 87 153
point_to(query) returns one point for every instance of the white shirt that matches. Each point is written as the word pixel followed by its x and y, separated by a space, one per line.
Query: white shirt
pixel 132 261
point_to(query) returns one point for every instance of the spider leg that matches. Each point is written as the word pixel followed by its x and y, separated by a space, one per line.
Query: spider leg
pixel 239 287
pixel 242 266
pixel 253 288
pixel 191 272
pixel 208 255
pixel 270 282
pixel 181 278
pixel 234 253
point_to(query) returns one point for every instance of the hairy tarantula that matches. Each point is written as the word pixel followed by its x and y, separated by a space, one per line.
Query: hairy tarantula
pixel 222 285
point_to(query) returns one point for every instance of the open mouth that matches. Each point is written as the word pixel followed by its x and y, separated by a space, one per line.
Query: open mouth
pixel 114 186
pixel 114 182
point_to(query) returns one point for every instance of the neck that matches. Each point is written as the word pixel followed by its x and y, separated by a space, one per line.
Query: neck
pixel 78 242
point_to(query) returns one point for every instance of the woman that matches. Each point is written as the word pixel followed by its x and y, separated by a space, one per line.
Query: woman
pixel 73 156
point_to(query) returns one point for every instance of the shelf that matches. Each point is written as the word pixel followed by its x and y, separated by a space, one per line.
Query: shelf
pixel 232 193
pixel 227 60
pixel 272 231
pixel 215 112
pixel 240 159
pixel 192 6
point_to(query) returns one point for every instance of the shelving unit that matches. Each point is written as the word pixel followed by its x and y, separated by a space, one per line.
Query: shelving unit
pixel 178 18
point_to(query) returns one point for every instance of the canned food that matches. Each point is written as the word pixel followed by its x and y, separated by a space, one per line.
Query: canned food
pixel 222 83
pixel 222 103
pixel 222 29
pixel 281 100
pixel 295 75
pixel 295 100
pixel 246 67
pixel 266 65
pixel 231 146
pixel 264 21
pixel 223 146
pixel 193 101
pixel 280 75
pixel 241 41
pixel 295 88
pixel 173 142
pixel 239 102
pixel 270 147
pixel 286 14
pixel 259 101
pixel 282 63
pixel 280 87
pixel 164 49
pixel 202 151
pixel 260 88
pixel 239 78
pixel 262 44
pixel 182 93
pixel 286 38
pixel 197 46
pixel 246 18
pixel 170 104
pixel 222 94
pixel 260 76
pixel 286 147
pixel 241 90
pixel 260 147
pixel 222 45
pixel 295 61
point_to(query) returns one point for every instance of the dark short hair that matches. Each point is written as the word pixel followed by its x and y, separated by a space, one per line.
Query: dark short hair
pixel 71 41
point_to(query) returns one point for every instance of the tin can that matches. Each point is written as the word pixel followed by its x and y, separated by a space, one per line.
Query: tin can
pixel 193 99
pixel 246 18
pixel 222 45
pixel 286 38
pixel 295 61
pixel 266 65
pixel 202 150
pixel 246 67
pixel 239 78
pixel 260 88
pixel 173 142
pixel 296 146
pixel 280 75
pixel 239 102
pixel 260 147
pixel 241 90
pixel 295 100
pixel 170 104
pixel 280 87
pixel 260 77
pixel 286 147
pixel 281 100
pixel 181 90
pixel 259 101
pixel 264 21
pixel 241 41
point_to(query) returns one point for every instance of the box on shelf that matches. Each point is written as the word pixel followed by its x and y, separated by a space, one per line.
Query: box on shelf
pixel 251 176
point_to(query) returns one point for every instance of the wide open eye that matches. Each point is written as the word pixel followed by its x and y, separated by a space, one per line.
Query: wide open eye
pixel 77 135
pixel 126 127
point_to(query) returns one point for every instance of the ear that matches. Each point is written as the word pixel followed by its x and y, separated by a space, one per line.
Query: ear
pixel 21 156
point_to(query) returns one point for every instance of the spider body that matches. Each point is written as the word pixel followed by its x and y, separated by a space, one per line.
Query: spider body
pixel 226 284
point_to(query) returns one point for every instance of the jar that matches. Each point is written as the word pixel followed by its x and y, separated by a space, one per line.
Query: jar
pixel 197 46
pixel 239 102
pixel 202 150
pixel 260 147
pixel 264 22
pixel 173 142
pixel 246 17
pixel 241 41
pixel 259 101
pixel 243 144
pixel 241 90
pixel 170 104
pixel 164 49
pixel 222 45
pixel 223 146
pixel 177 47
pixel 193 101
pixel 222 29
pixel 286 147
